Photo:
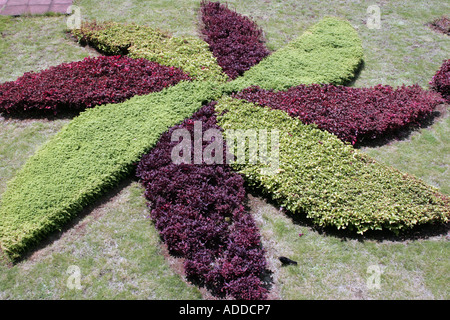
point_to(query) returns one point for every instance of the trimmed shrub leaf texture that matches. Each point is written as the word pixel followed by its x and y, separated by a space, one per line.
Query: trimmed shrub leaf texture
pixel 235 40
pixel 190 54
pixel 199 210
pixel 328 180
pixel 352 114
pixel 328 52
pixel 441 80
pixel 89 156
pixel 85 84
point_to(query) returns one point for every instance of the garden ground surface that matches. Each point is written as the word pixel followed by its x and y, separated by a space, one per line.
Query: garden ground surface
pixel 117 248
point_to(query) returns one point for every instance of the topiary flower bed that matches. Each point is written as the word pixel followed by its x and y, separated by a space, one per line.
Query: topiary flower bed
pixel 329 181
pixel 88 157
pixel 190 54
pixel 199 209
pixel 330 51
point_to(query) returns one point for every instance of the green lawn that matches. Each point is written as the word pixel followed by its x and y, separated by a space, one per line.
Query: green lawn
pixel 331 266
pixel 117 248
pixel 425 153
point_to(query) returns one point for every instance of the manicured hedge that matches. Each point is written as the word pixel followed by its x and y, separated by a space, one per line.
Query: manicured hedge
pixel 190 54
pixel 235 40
pixel 441 80
pixel 200 214
pixel 84 84
pixel 355 115
pixel 328 52
pixel 113 38
pixel 87 157
pixel 328 180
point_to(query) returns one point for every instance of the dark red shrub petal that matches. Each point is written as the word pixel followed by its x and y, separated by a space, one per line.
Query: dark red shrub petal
pixel 441 81
pixel 199 212
pixel 84 84
pixel 235 40
pixel 352 114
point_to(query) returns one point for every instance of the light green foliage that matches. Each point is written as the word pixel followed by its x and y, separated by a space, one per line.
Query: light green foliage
pixel 334 184
pixel 190 54
pixel 115 38
pixel 405 50
pixel 87 157
pixel 329 52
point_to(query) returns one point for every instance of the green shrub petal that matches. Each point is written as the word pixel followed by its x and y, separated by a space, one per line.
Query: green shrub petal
pixel 328 180
pixel 329 52
pixel 190 54
pixel 86 158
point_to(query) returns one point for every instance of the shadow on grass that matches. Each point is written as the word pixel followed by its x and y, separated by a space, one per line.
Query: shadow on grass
pixel 420 232
pixel 405 132
pixel 359 69
pixel 38 115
